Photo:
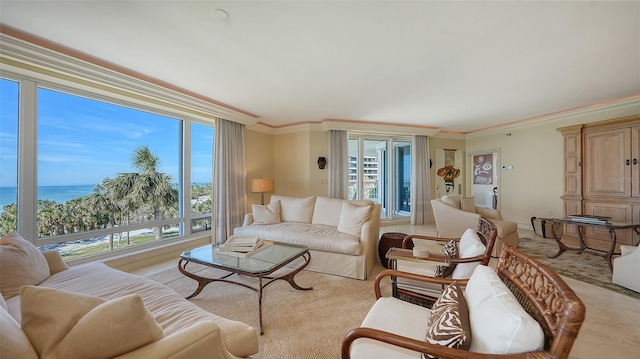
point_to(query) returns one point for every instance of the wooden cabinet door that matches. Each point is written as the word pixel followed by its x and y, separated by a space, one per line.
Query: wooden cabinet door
pixel 635 161
pixel 619 212
pixel 606 172
pixel 572 165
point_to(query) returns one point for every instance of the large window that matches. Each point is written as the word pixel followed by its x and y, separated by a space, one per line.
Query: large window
pixel 8 154
pixel 380 170
pixel 110 175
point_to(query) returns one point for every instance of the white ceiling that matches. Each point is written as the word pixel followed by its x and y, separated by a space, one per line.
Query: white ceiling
pixel 459 66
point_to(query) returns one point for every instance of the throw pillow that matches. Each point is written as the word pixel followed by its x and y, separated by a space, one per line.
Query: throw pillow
pixel 449 320
pixel 470 246
pixel 468 204
pixel 451 249
pixel 112 327
pixel 352 218
pixel 269 214
pixel 13 342
pixel 498 322
pixel 42 318
pixel 294 209
pixel 21 263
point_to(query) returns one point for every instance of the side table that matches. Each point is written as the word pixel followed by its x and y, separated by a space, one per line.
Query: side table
pixel 389 240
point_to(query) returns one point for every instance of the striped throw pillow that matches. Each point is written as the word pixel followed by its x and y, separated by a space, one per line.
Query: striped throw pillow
pixel 449 320
pixel 451 249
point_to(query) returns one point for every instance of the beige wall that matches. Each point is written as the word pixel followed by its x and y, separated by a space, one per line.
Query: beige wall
pixel 532 188
pixel 259 158
pixel 535 185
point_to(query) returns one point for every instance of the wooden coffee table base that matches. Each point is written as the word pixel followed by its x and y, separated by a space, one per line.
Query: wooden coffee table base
pixel 204 281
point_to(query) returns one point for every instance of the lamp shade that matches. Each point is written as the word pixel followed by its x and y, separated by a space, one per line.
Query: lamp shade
pixel 261 185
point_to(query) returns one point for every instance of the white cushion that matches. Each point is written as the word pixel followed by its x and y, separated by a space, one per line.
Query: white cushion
pixel 294 209
pixel 352 217
pixel 394 316
pixel 327 211
pixel 21 263
pixel 13 341
pixel 499 325
pixel 269 214
pixel 469 246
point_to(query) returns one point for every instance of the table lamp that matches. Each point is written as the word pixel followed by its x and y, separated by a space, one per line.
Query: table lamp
pixel 262 185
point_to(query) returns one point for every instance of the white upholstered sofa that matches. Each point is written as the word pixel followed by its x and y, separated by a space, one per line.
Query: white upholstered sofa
pixel 342 235
pixel 455 214
pixel 48 310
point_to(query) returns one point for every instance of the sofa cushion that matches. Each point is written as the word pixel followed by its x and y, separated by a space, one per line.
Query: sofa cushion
pixel 499 325
pixel 352 218
pixel 111 327
pixel 449 320
pixel 21 263
pixel 453 201
pixel 395 316
pixel 269 214
pixel 13 342
pixel 314 236
pixel 327 211
pixel 294 209
pixel 470 246
pixel 468 204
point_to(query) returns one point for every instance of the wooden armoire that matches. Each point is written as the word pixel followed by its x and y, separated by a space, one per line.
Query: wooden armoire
pixel 601 177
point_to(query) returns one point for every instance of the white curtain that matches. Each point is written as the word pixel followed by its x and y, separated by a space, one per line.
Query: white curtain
pixel 420 188
pixel 338 162
pixel 229 179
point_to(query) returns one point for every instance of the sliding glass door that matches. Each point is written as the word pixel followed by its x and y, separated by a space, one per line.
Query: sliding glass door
pixel 380 170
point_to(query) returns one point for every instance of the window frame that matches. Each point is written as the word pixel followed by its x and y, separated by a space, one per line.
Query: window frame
pixel 27 164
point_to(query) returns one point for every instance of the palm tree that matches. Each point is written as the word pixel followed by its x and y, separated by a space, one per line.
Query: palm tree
pixel 148 187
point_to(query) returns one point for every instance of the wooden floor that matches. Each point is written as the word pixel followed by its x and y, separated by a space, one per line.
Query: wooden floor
pixel 611 328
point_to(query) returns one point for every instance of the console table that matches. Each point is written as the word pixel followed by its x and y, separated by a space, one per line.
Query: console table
pixel 610 226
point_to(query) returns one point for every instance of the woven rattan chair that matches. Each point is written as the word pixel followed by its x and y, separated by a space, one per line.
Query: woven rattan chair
pixel 540 292
pixel 428 294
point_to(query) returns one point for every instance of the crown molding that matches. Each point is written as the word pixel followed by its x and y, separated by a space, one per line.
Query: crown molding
pixel 596 112
pixel 25 58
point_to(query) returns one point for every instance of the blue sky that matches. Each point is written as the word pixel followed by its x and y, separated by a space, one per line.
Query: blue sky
pixel 83 141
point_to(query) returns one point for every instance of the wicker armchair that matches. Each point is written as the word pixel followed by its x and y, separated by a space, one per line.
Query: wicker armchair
pixel 425 294
pixel 540 292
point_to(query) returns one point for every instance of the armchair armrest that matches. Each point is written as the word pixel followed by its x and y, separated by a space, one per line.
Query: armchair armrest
pixel 55 261
pixel 489 213
pixel 413 276
pixel 436 350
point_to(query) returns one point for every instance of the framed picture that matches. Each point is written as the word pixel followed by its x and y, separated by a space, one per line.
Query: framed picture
pixel 483 169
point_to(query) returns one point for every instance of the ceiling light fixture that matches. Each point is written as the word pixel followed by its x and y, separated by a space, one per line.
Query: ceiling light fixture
pixel 220 14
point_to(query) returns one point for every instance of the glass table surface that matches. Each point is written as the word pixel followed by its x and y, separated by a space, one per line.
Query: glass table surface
pixel 263 261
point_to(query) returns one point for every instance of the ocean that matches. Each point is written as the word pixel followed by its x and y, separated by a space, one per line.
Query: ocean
pixel 60 194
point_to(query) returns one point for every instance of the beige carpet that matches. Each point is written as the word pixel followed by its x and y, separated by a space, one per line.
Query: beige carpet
pixel 297 324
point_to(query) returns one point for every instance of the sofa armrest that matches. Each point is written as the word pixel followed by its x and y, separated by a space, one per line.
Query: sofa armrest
pixel 202 340
pixel 248 219
pixel 55 261
pixel 489 213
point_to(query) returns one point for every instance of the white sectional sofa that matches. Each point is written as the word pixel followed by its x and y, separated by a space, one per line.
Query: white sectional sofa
pixel 341 235
pixel 48 310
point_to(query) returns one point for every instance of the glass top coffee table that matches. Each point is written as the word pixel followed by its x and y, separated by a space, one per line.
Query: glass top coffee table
pixel 261 265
